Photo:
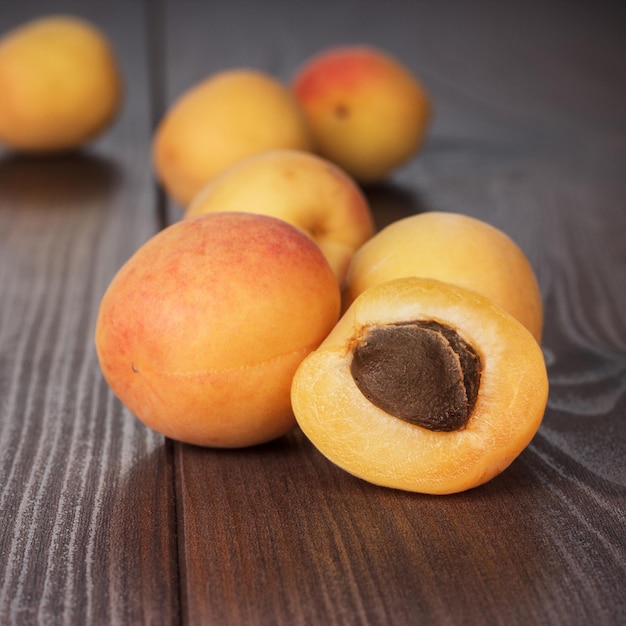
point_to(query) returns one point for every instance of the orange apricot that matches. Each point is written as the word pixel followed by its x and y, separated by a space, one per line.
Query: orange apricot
pixel 454 248
pixel 367 111
pixel 422 386
pixel 224 118
pixel 61 84
pixel 201 330
pixel 300 188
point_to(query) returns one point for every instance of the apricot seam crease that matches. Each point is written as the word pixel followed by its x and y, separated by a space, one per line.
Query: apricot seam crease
pixel 239 368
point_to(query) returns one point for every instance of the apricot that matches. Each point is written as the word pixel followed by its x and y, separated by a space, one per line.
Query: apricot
pixel 60 82
pixel 422 386
pixel 219 121
pixel 454 248
pixel 367 111
pixel 302 189
pixel 201 330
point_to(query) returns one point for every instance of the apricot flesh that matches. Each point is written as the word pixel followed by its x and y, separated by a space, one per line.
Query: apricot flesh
pixel 367 111
pixel 381 448
pixel 301 188
pixel 454 248
pixel 60 82
pixel 200 332
pixel 226 117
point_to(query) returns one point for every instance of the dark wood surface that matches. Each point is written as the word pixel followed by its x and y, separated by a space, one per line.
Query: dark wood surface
pixel 105 522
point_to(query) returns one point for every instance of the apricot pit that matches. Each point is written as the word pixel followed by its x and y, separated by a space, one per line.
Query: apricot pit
pixel 423 386
pixel 421 372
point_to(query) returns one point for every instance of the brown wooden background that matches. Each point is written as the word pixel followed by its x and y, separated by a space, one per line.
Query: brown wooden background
pixel 104 522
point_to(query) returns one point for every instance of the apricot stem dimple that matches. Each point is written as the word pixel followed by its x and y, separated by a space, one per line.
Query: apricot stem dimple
pixel 341 111
pixel 422 372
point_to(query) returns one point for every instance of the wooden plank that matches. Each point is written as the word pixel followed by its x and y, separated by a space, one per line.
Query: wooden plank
pixel 528 136
pixel 86 497
pixel 278 535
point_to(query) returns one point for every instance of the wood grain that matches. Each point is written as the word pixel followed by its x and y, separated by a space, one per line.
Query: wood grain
pixel 278 535
pixel 86 494
pixel 105 522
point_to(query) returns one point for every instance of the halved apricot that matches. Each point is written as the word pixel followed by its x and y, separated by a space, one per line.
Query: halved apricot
pixel 422 386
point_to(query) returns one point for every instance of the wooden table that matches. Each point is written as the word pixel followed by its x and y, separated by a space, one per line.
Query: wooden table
pixel 105 522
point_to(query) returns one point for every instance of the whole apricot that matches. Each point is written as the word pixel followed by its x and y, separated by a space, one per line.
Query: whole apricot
pixel 453 248
pixel 422 386
pixel 367 111
pixel 60 82
pixel 200 332
pixel 302 189
pixel 219 121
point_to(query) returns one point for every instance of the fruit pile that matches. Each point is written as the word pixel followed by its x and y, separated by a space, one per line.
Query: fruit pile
pixel 409 357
